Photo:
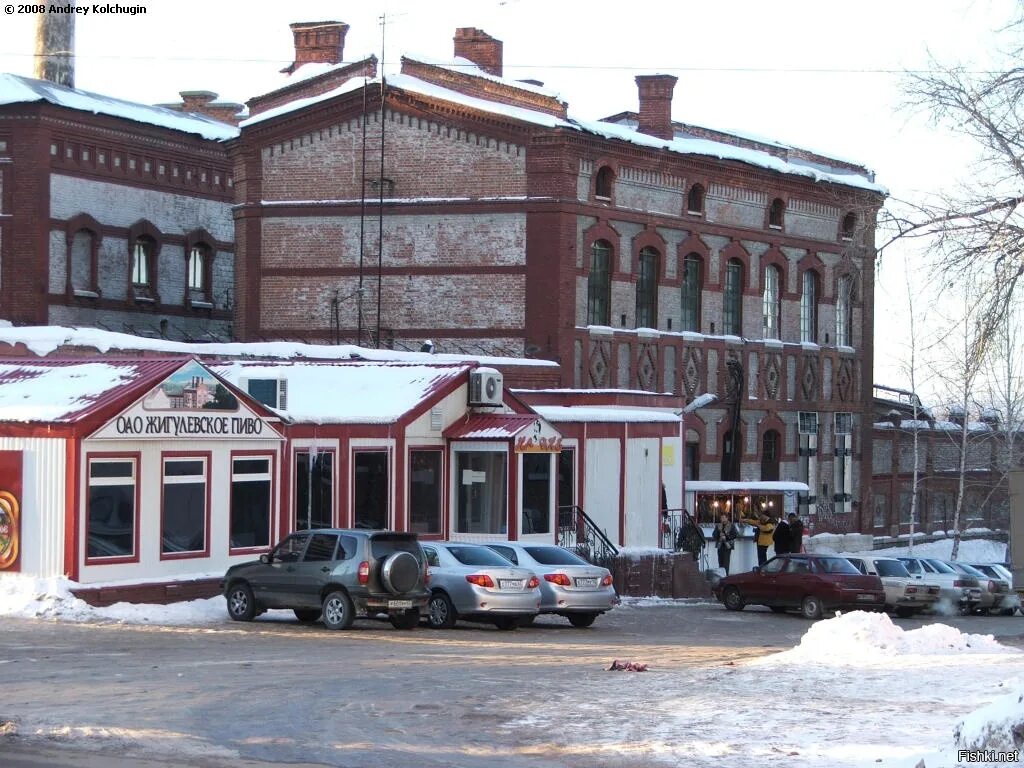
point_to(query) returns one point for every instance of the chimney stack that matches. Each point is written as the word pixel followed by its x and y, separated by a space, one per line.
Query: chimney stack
pixel 655 118
pixel 55 48
pixel 480 48
pixel 317 42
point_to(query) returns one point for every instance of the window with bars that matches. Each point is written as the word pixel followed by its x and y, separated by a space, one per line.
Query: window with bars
pixel 843 423
pixel 809 307
pixel 732 320
pixel 647 289
pixel 695 199
pixel 599 283
pixel 771 302
pixel 693 269
pixel 808 423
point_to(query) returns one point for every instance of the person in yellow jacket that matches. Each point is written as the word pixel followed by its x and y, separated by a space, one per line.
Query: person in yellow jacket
pixel 765 531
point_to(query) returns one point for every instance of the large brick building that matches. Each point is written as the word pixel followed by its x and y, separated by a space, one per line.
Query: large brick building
pixel 454 205
pixel 113 214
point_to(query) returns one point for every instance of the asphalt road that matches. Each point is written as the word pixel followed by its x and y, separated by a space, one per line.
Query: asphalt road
pixel 274 692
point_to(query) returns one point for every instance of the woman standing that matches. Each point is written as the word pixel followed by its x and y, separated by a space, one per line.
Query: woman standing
pixel 724 537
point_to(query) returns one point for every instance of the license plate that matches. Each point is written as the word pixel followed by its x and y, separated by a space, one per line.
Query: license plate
pixel 510 583
pixel 399 603
pixel 866 598
pixel 586 582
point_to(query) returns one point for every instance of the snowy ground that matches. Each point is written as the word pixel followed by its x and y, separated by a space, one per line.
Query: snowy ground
pixel 857 690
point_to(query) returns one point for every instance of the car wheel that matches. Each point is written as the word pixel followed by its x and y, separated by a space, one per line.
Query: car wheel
pixel 241 603
pixel 307 615
pixel 338 612
pixel 406 620
pixel 905 613
pixel 777 608
pixel 811 607
pixel 982 611
pixel 440 612
pixel 506 623
pixel 581 620
pixel 733 599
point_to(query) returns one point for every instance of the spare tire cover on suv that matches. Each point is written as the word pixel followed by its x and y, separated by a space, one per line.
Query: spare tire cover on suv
pixel 400 573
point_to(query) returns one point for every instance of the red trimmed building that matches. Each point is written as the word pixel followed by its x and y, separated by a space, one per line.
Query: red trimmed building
pixel 450 204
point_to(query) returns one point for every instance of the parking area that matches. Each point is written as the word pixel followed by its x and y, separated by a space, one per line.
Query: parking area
pixel 276 690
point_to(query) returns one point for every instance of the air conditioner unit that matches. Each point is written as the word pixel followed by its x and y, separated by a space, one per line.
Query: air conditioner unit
pixel 485 387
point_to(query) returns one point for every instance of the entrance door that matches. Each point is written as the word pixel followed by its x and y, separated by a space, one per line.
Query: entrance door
pixel 371 490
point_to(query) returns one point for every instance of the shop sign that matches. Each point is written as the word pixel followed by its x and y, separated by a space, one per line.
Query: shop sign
pixel 539 438
pixel 10 510
pixel 191 403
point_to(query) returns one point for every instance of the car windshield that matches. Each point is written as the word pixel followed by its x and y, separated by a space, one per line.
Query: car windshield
pixel 836 565
pixel 554 556
pixel 891 568
pixel 940 566
pixel 912 566
pixel 859 564
pixel 973 571
pixel 477 556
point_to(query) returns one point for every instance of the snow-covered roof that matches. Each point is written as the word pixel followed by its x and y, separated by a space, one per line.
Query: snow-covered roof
pixel 940 426
pixel 42 340
pixel 605 413
pixel 15 89
pixel 681 145
pixel 63 391
pixel 347 392
pixel 491 426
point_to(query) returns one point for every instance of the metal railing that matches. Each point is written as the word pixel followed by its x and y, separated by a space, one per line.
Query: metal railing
pixel 578 532
pixel 681 535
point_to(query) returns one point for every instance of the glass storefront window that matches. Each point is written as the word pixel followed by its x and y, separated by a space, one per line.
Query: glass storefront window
pixel 482 481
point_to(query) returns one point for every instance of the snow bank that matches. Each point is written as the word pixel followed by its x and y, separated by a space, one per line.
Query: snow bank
pixel 860 636
pixel 971 550
pixel 998 726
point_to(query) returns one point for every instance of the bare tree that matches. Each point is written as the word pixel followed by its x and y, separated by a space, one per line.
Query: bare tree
pixel 980 224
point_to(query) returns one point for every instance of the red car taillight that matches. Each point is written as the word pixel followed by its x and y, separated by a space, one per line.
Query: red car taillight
pixel 480 579
pixel 991 586
pixel 557 578
pixel 911 590
pixel 606 581
pixel 364 572
pixel 533 583
pixel 960 583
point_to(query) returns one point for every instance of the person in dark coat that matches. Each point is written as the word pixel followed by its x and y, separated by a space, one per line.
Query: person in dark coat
pixel 796 533
pixel 724 537
pixel 781 537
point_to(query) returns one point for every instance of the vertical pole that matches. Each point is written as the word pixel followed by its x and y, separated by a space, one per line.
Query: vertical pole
pixel 380 211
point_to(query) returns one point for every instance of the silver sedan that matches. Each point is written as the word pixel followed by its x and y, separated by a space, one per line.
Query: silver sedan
pixel 468 581
pixel 569 585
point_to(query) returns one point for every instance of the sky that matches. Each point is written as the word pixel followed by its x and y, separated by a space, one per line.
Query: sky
pixel 818 75
pixel 859 690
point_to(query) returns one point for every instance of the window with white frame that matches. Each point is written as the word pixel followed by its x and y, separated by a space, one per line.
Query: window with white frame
pixel 843 461
pixel 197 268
pixel 809 307
pixel 844 291
pixel 599 283
pixel 183 523
pixel 481 478
pixel 732 300
pixel 426 487
pixel 251 501
pixel 141 253
pixel 112 516
pixel 807 459
pixel 314 489
pixel 770 302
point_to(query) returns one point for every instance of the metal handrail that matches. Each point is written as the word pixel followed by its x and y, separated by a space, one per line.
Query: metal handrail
pixel 578 531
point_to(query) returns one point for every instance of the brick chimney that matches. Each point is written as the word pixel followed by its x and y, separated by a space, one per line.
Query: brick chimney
pixel 55 48
pixel 205 103
pixel 655 118
pixel 317 42
pixel 480 48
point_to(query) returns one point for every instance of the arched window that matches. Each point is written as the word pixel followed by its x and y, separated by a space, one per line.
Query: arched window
pixel 695 199
pixel 770 455
pixel 82 269
pixel 197 262
pixel 770 302
pixel 599 283
pixel 603 184
pixel 647 289
pixel 142 263
pixel 732 300
pixel 849 226
pixel 692 283
pixel 776 213
pixel 844 311
pixel 809 307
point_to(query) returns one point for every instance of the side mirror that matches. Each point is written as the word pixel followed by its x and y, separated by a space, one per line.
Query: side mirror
pixel 266 558
pixel 757 569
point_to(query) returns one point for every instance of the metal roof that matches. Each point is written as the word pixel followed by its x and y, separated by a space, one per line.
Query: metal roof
pixel 491 426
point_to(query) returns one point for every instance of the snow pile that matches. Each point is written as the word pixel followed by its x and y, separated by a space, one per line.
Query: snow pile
pixel 998 726
pixel 971 550
pixel 872 637
pixel 28 598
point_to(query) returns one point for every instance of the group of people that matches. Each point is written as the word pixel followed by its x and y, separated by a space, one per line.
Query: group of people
pixel 786 534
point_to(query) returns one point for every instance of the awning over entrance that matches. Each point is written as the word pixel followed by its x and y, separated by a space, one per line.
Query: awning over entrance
pixel 754 486
pixel 530 432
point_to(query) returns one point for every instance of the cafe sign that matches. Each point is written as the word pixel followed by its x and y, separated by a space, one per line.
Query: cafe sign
pixel 538 437
pixel 10 510
pixel 190 404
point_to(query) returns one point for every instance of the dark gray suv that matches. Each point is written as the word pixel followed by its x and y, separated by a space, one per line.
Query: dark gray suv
pixel 334 574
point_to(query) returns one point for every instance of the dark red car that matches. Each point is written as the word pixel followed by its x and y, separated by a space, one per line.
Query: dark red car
pixel 813 584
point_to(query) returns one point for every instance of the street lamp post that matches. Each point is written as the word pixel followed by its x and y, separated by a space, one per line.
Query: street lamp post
pixel 700 402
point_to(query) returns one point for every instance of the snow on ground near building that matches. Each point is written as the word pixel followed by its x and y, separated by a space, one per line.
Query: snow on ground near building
pixel 971 550
pixel 856 691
